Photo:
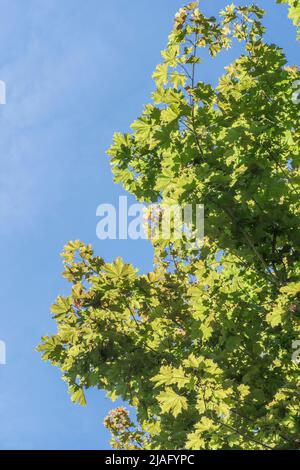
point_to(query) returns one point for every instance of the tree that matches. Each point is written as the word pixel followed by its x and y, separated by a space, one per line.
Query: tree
pixel 202 346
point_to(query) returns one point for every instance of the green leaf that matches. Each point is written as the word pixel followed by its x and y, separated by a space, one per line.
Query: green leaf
pixel 161 74
pixel 78 396
pixel 169 376
pixel 170 55
pixel 192 361
pixel 195 441
pixel 143 128
pixel 62 306
pixel 178 79
pixel 171 113
pixel 275 317
pixel 171 402
pixel 118 270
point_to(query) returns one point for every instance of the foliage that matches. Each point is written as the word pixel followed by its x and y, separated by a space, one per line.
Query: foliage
pixel 228 147
pixel 201 346
pixel 125 434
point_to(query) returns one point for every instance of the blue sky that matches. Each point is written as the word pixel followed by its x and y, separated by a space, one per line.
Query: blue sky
pixel 75 73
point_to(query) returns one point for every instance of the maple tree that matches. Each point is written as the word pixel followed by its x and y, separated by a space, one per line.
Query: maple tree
pixel 202 345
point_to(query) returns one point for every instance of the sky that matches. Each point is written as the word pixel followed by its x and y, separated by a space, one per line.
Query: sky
pixel 75 73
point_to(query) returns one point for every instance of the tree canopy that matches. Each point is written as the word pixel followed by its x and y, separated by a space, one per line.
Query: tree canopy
pixel 202 346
